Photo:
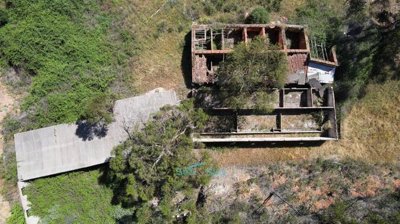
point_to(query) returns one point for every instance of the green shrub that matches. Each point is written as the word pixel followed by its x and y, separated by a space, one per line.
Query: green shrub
pixel 209 8
pixel 69 54
pixel 258 16
pixel 76 197
pixel 99 109
pixel 230 7
pixel 17 215
pixel 162 27
pixel 275 5
pixel 337 213
pixel 322 19
pixel 3 17
pixel 246 78
pixel 218 4
pixel 8 167
pixel 10 126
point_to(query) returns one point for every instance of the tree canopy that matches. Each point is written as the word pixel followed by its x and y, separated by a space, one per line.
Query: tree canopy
pixel 258 16
pixel 99 108
pixel 143 172
pixel 247 77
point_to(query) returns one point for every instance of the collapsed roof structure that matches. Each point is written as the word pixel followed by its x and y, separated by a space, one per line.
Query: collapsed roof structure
pixel 305 107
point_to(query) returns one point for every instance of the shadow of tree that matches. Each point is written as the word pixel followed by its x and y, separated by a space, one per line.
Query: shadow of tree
pixel 126 219
pixel 105 180
pixel 88 131
pixel 186 60
pixel 367 53
pixel 369 57
pixel 354 55
pixel 387 57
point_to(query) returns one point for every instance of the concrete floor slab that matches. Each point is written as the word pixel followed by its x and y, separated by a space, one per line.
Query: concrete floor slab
pixel 66 147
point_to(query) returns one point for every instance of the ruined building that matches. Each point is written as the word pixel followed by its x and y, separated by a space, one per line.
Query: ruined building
pixel 305 108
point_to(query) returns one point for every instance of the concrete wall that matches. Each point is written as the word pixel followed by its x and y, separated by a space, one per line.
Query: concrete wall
pixel 26 205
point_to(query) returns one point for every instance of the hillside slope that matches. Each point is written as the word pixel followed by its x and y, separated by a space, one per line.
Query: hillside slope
pixel 147 46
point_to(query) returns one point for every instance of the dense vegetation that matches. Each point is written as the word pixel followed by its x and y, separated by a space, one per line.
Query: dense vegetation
pixel 65 58
pixel 258 16
pixel 144 174
pixel 67 49
pixel 323 18
pixel 247 77
pixel 74 198
pixel 143 182
pixel 366 52
pixel 73 54
pixel 17 215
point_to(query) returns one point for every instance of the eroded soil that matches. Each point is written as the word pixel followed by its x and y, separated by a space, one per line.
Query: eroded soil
pixel 7 103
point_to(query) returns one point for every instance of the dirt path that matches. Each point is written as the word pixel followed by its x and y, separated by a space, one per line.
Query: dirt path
pixel 6 105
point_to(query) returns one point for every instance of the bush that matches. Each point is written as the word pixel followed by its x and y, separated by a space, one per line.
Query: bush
pixel 322 19
pixel 10 126
pixel 248 75
pixel 230 7
pixel 275 5
pixel 3 17
pixel 17 215
pixel 209 8
pixel 258 16
pixel 75 197
pixel 8 167
pixel 99 109
pixel 337 213
pixel 70 55
pixel 162 26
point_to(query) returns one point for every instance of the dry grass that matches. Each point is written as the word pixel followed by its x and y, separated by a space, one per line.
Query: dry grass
pixel 309 186
pixel 288 7
pixel 257 123
pixel 371 132
pixel 160 37
pixel 160 65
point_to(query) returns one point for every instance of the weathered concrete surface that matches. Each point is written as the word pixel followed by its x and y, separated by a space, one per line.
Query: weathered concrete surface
pixel 61 148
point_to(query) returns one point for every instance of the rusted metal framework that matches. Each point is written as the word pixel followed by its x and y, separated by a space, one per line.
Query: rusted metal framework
pixel 307 92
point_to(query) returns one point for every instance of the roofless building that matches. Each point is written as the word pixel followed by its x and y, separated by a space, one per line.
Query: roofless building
pixel 305 107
